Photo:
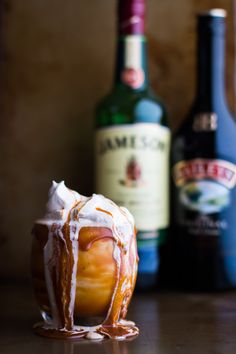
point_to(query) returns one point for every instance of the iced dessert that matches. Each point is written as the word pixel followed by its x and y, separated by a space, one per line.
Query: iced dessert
pixel 84 266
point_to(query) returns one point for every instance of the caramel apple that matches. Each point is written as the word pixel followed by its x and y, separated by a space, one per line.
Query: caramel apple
pixel 84 266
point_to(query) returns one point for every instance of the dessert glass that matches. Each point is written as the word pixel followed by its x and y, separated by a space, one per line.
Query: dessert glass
pixel 84 267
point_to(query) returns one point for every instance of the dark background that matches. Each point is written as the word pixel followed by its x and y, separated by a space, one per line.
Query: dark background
pixel 56 62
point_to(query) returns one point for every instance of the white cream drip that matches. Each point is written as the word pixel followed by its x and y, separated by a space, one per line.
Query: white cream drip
pixel 94 335
pixel 64 204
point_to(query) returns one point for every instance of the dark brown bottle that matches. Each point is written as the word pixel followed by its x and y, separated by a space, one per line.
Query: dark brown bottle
pixel 204 173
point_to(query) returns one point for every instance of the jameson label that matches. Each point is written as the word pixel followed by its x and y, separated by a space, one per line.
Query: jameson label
pixel 204 187
pixel 132 169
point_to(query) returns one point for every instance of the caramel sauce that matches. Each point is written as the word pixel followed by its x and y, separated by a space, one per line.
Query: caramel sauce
pixel 61 333
pixel 95 234
pixel 104 211
pixel 61 251
pixel 119 331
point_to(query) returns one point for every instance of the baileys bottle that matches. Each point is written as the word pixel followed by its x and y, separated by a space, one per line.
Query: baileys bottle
pixel 204 173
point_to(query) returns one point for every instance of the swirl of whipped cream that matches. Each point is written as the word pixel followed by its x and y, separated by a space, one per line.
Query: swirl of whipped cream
pixel 64 204
pixel 61 201
pixel 101 211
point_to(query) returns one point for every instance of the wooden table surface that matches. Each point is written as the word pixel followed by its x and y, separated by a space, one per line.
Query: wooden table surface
pixel 169 323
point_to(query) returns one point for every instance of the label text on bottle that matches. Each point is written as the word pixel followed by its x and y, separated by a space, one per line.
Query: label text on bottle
pixel 132 163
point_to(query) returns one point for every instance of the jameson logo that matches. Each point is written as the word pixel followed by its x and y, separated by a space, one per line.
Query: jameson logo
pixel 221 171
pixel 131 142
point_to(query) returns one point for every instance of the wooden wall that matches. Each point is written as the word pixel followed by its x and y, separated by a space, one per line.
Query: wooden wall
pixel 56 61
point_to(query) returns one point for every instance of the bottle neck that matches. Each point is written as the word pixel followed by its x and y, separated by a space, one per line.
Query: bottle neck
pixel 131 63
pixel 210 67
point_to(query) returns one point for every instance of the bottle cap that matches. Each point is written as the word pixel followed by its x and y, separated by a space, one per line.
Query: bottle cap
pixel 131 14
pixel 214 13
pixel 212 22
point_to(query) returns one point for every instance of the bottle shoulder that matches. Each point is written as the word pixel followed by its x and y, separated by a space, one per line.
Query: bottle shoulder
pixel 198 119
pixel 128 107
pixel 206 135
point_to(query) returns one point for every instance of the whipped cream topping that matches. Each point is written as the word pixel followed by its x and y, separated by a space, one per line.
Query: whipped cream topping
pixel 100 211
pixel 60 201
pixel 65 204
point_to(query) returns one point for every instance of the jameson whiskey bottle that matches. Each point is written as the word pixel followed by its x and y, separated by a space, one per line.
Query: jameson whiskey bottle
pixel 204 172
pixel 132 142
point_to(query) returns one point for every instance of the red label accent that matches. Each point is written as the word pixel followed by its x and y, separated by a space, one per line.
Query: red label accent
pixel 133 77
pixel 221 171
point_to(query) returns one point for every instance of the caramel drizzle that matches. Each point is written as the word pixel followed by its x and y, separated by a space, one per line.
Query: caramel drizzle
pixel 104 211
pixel 68 262
pixel 64 283
pixel 51 257
pixel 94 235
pixel 60 268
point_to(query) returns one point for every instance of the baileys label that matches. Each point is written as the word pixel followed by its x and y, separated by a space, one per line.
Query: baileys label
pixel 204 184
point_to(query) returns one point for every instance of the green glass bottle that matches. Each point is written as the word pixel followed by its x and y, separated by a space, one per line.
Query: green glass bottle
pixel 132 143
